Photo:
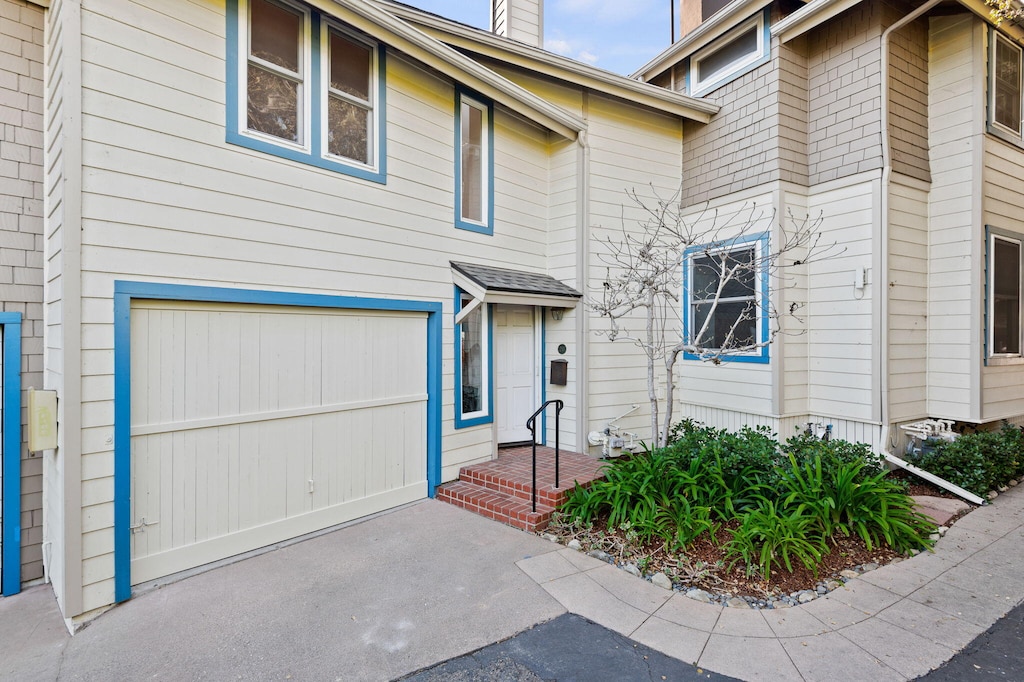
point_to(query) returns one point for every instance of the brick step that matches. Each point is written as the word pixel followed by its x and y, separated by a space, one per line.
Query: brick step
pixel 497 505
pixel 511 474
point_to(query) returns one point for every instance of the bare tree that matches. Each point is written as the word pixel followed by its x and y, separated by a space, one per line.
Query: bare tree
pixel 720 260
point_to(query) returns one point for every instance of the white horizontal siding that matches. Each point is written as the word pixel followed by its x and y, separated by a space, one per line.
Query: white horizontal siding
pixel 908 302
pixel 952 340
pixel 1002 389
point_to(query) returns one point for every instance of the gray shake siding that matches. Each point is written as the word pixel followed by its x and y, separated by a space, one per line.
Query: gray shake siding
pixel 813 113
pixel 21 229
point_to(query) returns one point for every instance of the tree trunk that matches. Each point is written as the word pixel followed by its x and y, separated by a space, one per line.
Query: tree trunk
pixel 652 387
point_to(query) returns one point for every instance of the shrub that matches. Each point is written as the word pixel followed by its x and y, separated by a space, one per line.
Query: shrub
pixel 977 462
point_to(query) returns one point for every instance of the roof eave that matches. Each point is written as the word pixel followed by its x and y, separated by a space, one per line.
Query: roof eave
pixel 385 26
pixel 717 25
pixel 555 66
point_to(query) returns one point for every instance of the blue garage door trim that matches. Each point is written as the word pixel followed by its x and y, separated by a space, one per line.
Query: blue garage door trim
pixel 10 581
pixel 125 291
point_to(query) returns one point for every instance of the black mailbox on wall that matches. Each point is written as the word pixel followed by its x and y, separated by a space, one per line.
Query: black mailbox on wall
pixel 559 372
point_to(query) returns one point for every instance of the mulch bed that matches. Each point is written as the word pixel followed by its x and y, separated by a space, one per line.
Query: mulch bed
pixel 703 564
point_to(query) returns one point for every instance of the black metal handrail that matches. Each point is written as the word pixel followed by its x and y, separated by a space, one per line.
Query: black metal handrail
pixel 531 424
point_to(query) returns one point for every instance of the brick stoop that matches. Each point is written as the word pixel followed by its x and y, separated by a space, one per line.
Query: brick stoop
pixel 501 489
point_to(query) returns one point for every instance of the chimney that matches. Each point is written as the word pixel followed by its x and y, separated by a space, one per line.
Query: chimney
pixel 692 13
pixel 521 20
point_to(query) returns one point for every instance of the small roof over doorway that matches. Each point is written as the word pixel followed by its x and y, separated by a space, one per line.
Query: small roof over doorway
pixel 489 284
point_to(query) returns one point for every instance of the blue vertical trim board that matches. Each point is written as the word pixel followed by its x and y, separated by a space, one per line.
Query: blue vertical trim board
pixel 10 581
pixel 760 356
pixel 122 443
pixel 488 367
pixel 315 153
pixel 124 292
pixel 544 373
pixel 984 311
pixel 488 227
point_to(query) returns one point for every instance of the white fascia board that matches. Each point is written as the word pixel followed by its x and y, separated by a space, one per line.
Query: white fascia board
pixel 720 23
pixel 556 66
pixel 809 16
pixel 391 30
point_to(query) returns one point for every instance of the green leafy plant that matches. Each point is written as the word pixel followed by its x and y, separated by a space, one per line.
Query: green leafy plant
pixel 977 462
pixel 769 535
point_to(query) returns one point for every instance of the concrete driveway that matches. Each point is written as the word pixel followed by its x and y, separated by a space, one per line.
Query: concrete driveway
pixel 373 601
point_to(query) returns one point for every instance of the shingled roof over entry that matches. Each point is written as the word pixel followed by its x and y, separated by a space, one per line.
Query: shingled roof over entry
pixel 515 281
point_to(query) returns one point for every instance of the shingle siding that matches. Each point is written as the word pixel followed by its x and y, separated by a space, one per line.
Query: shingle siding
pixel 844 89
pixel 21 229
pixel 908 106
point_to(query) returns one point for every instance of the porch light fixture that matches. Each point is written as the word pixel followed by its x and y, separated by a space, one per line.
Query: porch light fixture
pixel 557 314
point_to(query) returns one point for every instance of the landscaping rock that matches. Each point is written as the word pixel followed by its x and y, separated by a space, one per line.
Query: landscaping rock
pixel 1013 482
pixel 699 595
pixel 941 530
pixel 574 544
pixel 992 494
pixel 934 537
pixel 662 581
pixel 807 596
pixel 868 567
pixel 737 603
pixel 821 589
pixel 832 585
pixel 599 554
pixel 848 573
pixel 782 605
pixel 632 570
pixel 549 537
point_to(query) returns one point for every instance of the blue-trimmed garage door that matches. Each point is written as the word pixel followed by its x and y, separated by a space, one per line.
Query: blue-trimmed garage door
pixel 254 424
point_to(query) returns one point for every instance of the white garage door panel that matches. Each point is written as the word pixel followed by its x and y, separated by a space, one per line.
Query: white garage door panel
pixel 254 424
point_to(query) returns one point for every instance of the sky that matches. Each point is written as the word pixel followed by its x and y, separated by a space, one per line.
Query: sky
pixel 616 35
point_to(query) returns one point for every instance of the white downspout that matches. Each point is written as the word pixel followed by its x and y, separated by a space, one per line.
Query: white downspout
pixel 882 279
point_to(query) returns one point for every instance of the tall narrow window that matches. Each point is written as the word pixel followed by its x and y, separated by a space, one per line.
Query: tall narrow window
pixel 474 173
pixel 275 70
pixel 1006 84
pixel 472 344
pixel 1004 295
pixel 349 98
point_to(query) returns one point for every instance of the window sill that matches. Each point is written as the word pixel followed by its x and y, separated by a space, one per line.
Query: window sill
pixel 377 175
pixel 461 423
pixel 1004 361
pixel 1001 134
pixel 750 359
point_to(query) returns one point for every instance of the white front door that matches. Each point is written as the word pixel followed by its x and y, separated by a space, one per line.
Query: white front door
pixel 515 369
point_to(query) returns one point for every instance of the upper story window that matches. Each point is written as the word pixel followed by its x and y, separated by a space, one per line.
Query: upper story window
pixel 1004 296
pixel 304 87
pixel 1005 85
pixel 474 164
pixel 731 56
pixel 724 292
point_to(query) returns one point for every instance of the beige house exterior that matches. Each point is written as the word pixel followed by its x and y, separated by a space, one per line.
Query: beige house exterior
pixel 282 279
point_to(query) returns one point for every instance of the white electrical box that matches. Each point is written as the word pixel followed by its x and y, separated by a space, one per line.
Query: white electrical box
pixel 42 420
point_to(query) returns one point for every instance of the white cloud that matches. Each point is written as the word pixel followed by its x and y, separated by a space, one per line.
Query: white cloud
pixel 587 57
pixel 561 47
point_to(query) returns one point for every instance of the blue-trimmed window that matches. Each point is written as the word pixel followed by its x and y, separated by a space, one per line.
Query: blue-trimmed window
pixel 1005 87
pixel 725 292
pixel 474 163
pixel 473 367
pixel 1005 278
pixel 739 51
pixel 305 87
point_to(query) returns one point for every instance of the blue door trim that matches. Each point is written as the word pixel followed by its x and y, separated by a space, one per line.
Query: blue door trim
pixel 125 291
pixel 10 581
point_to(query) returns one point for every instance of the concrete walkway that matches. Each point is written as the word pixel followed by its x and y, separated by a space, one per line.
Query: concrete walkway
pixel 426 583
pixel 894 623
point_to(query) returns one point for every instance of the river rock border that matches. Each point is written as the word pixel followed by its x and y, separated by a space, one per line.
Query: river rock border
pixel 734 601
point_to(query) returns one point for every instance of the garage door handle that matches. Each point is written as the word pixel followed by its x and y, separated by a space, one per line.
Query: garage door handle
pixel 140 527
